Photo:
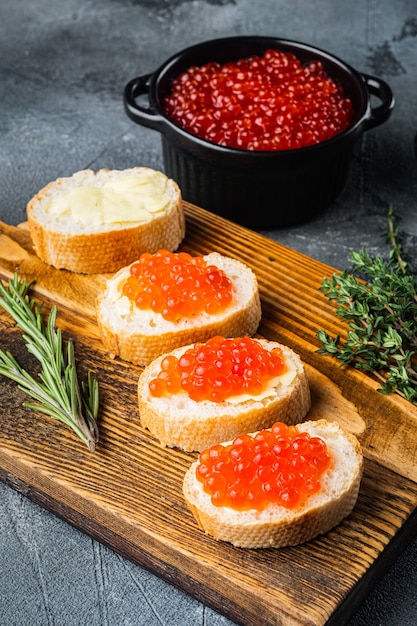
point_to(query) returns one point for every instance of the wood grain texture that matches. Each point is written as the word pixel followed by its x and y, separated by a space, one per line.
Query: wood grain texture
pixel 129 493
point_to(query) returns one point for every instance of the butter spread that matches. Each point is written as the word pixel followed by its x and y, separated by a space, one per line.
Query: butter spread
pixel 284 379
pixel 122 304
pixel 130 199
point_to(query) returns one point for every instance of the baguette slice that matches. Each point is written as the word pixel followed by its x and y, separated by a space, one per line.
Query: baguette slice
pixel 178 421
pixel 277 526
pixel 139 336
pixel 90 247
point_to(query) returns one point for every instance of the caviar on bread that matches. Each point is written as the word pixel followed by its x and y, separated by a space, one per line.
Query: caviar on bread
pixel 276 487
pixel 166 300
pixel 203 393
pixel 97 222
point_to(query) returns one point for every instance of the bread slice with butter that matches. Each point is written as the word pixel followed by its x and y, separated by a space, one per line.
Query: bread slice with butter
pixel 277 526
pixel 98 222
pixel 178 421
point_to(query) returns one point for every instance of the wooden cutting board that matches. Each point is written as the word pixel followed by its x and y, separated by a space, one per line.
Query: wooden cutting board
pixel 128 493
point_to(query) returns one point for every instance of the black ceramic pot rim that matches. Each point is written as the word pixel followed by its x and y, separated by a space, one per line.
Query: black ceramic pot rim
pixel 365 118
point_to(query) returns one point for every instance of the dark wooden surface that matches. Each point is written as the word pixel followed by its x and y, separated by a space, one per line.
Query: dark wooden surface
pixel 128 493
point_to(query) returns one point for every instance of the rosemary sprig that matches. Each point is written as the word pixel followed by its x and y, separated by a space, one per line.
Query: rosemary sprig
pixel 378 300
pixel 56 390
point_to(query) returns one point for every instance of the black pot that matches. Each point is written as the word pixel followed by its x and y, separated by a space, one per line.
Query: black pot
pixel 257 189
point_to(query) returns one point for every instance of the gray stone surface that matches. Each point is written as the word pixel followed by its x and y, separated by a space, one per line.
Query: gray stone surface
pixel 63 66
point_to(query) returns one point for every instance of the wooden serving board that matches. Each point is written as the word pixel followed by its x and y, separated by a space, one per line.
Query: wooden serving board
pixel 128 494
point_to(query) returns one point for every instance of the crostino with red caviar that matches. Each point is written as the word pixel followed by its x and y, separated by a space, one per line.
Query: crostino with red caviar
pixel 280 465
pixel 276 487
pixel 166 300
pixel 203 393
pixel 268 102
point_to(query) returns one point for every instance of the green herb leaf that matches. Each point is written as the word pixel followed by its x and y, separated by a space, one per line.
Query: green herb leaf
pixel 56 389
pixel 378 301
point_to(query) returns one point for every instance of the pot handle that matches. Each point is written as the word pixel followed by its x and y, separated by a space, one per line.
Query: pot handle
pixel 383 92
pixel 141 115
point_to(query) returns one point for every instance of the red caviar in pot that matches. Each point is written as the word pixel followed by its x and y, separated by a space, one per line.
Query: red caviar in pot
pixel 269 102
pixel 177 285
pixel 281 465
pixel 219 369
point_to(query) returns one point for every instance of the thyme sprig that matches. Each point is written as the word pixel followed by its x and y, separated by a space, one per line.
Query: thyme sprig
pixel 56 389
pixel 378 300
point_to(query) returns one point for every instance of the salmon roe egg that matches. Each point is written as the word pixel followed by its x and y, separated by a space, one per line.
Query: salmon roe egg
pixel 218 369
pixel 281 465
pixel 268 102
pixel 177 285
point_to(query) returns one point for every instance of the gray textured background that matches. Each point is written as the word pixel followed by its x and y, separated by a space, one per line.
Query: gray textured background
pixel 63 66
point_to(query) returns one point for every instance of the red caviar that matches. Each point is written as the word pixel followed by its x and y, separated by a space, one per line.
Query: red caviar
pixel 281 465
pixel 219 369
pixel 269 102
pixel 177 285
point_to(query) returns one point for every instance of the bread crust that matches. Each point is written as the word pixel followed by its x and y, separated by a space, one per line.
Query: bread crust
pixel 107 248
pixel 178 421
pixel 146 335
pixel 277 526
